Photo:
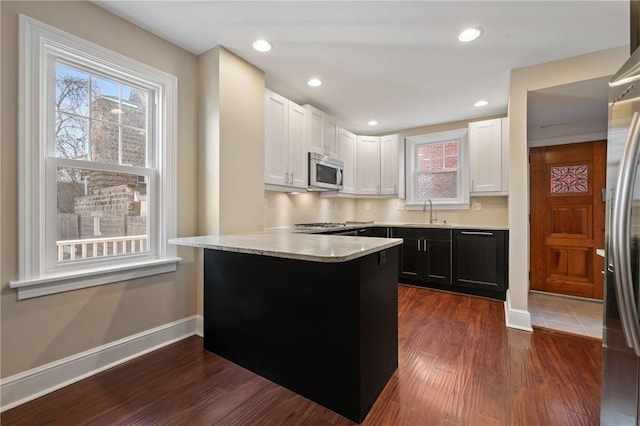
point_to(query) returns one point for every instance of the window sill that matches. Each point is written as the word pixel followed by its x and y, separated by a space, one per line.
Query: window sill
pixel 52 284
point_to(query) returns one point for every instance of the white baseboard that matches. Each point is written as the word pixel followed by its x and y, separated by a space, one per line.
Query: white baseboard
pixel 199 326
pixel 39 381
pixel 516 318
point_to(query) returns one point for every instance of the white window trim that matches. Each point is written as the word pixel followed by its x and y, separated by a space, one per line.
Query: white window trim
pixel 36 40
pixel 462 202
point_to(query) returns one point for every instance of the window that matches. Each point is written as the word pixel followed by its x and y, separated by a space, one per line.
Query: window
pixel 437 170
pixel 97 173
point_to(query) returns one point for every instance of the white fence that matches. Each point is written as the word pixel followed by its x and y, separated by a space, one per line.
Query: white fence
pixel 99 247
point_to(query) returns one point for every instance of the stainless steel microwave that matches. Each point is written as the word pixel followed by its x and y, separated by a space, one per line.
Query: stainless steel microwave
pixel 325 173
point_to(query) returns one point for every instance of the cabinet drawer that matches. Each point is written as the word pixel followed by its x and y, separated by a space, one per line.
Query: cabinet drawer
pixel 479 259
pixel 427 233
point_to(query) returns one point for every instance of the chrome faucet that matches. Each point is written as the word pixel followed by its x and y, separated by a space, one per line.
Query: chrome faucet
pixel 424 209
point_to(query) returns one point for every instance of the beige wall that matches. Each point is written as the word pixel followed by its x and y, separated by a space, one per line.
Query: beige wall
pixel 231 148
pixel 523 80
pixel 44 329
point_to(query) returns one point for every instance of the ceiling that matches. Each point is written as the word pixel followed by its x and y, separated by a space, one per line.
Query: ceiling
pixel 395 62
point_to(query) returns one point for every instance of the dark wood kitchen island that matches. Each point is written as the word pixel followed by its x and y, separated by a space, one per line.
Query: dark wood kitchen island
pixel 317 314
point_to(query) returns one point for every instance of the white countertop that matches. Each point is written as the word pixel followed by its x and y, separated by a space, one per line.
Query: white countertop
pixel 315 248
pixel 350 226
pixel 440 225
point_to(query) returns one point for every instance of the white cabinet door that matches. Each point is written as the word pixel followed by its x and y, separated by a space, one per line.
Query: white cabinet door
pixel 485 152
pixel 276 139
pixel 297 143
pixel 330 136
pixel 315 128
pixel 389 165
pixel 367 165
pixel 347 153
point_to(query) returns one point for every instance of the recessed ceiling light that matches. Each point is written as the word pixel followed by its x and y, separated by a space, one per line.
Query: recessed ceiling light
pixel 481 103
pixel 262 45
pixel 314 82
pixel 372 123
pixel 469 34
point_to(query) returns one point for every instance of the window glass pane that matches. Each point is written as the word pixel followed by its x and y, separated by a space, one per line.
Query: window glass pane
pixel 134 108
pixel 105 142
pixel 134 144
pixel 105 100
pixel 72 90
pixel 100 214
pixel 437 170
pixel 72 136
pixel 437 185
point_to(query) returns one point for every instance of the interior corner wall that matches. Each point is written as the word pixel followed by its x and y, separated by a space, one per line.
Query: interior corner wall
pixel 231 144
pixel 598 64
pixel 45 329
pixel 209 142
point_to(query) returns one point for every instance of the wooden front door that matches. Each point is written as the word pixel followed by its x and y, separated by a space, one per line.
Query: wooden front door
pixel 567 218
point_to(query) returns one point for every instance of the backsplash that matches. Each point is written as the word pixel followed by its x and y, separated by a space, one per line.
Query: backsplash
pixel 283 210
pixel 492 212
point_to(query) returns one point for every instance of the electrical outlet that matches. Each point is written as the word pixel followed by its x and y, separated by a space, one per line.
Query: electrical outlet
pixel 401 205
pixel 476 205
pixel 367 206
pixel 266 203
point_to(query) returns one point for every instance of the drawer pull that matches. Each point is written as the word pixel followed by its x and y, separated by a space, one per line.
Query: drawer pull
pixel 476 233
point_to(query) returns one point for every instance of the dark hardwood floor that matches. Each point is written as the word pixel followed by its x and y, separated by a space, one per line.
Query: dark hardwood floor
pixel 459 365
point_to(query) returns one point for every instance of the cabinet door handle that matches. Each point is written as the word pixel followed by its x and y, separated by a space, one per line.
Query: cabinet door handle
pixel 476 233
pixel 291 178
pixel 424 243
pixel 418 241
pixel 286 178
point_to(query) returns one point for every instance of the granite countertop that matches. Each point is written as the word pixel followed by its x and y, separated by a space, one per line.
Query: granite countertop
pixel 350 226
pixel 315 248
pixel 441 225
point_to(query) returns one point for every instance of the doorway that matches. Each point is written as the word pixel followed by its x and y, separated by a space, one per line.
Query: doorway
pixel 567 218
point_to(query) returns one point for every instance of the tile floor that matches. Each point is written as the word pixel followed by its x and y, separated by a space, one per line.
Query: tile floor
pixel 566 314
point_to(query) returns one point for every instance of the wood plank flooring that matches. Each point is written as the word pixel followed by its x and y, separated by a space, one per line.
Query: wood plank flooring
pixel 459 365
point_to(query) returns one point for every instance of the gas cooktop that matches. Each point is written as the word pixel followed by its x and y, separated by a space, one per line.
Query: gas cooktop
pixel 331 224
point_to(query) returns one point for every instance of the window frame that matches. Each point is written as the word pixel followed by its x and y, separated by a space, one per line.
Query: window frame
pixel 38 46
pixel 412 143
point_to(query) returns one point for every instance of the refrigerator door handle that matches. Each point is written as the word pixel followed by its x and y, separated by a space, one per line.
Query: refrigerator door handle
pixel 621 236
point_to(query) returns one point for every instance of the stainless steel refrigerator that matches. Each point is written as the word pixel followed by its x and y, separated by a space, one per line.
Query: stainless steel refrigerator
pixel 621 336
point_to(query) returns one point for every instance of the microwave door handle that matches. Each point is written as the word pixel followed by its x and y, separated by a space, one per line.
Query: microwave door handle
pixel 340 178
pixel 621 236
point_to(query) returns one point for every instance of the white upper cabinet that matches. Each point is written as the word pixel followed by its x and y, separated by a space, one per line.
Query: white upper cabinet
pixel 389 164
pixel 368 165
pixel 322 132
pixel 285 134
pixel 377 166
pixel 488 153
pixel 298 160
pixel 330 135
pixel 347 153
pixel 276 139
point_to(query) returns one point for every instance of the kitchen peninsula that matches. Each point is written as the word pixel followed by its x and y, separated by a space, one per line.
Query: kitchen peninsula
pixel 317 314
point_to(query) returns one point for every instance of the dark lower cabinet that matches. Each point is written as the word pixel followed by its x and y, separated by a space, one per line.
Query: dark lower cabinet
pixel 425 257
pixel 480 260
